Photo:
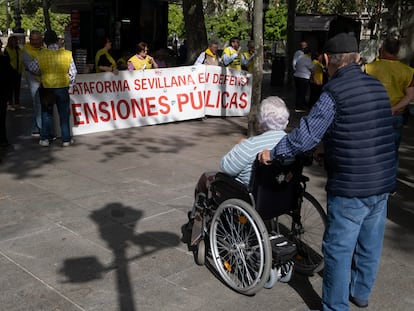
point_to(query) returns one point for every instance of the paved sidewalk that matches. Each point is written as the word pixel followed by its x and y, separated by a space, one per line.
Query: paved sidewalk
pixel 97 226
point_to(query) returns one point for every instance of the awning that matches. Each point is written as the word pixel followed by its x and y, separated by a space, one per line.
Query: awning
pixel 66 6
pixel 313 23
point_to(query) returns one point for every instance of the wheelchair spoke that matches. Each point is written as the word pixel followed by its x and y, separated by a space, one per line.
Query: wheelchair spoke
pixel 237 247
pixel 306 233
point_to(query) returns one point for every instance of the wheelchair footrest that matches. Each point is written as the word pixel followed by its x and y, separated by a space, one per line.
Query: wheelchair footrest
pixel 283 250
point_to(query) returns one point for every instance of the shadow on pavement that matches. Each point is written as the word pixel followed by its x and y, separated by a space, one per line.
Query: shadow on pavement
pixel 304 288
pixel 116 224
pixel 400 207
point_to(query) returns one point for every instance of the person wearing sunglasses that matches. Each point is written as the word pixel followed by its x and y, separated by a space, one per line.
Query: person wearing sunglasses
pixel 141 60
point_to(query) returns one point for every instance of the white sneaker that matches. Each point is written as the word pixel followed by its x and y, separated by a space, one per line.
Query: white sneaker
pixel 44 142
pixel 68 143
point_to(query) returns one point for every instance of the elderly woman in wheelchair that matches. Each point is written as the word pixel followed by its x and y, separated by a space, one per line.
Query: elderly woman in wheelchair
pixel 257 222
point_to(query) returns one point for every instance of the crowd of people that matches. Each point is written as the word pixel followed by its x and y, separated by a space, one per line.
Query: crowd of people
pixel 232 56
pixel 357 114
pixel 50 71
pixel 357 117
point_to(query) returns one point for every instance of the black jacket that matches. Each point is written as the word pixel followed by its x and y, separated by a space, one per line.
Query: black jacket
pixel 359 145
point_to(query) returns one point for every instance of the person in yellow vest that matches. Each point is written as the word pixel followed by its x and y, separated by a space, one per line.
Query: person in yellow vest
pixel 103 60
pixel 398 79
pixel 31 51
pixel 57 72
pixel 232 57
pixel 122 62
pixel 14 53
pixel 209 56
pixel 248 57
pixel 318 78
pixel 141 60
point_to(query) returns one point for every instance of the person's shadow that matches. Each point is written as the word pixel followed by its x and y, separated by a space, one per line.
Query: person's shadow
pixel 302 285
pixel 116 224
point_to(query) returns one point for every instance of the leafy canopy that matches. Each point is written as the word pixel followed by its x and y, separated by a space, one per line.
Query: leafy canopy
pixel 32 17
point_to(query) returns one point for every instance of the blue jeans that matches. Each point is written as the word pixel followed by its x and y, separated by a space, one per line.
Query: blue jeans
pixel 352 246
pixel 60 97
pixel 37 108
pixel 398 124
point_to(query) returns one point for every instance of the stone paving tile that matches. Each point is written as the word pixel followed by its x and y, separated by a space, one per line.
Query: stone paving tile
pixel 22 291
pixel 97 226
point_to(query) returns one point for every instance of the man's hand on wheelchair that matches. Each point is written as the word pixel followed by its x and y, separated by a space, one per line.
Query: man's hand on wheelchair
pixel 264 157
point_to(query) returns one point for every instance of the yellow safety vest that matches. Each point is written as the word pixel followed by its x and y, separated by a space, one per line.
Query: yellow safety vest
pixel 122 63
pixel 15 56
pixel 210 58
pixel 250 65
pixel 54 67
pixel 140 63
pixel 236 63
pixel 33 53
pixel 108 56
pixel 394 75
pixel 317 73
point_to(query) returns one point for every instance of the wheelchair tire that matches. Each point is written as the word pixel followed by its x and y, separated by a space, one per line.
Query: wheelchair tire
pixel 200 253
pixel 272 279
pixel 308 239
pixel 240 246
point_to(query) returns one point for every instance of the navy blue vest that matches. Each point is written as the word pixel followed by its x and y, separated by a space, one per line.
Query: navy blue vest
pixel 359 145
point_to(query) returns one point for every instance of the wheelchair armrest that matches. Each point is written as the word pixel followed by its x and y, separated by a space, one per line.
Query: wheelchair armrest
pixel 227 187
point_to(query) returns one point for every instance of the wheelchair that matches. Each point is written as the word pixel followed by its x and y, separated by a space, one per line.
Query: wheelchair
pixel 258 234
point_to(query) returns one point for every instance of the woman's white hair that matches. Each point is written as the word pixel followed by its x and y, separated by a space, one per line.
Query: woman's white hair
pixel 273 114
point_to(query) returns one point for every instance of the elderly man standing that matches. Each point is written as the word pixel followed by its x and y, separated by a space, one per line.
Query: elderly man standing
pixel 209 56
pixel 31 51
pixel 57 72
pixel 353 118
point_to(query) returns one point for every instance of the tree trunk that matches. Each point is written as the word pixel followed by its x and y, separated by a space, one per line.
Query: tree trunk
pixel 258 66
pixel 195 29
pixel 290 38
pixel 17 17
pixel 46 6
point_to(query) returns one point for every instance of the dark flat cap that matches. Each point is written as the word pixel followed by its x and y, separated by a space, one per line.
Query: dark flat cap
pixel 341 43
pixel 50 37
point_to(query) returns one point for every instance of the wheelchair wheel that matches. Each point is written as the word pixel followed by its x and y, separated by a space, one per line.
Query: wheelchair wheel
pixel 307 235
pixel 240 246
pixel 200 253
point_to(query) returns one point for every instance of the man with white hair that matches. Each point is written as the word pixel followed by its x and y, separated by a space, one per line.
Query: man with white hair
pixel 209 56
pixel 273 118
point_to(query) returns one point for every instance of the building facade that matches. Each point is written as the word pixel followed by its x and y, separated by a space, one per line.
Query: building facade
pixel 125 22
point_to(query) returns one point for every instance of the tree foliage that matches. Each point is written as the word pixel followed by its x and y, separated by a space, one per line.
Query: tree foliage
pixel 175 21
pixel 327 6
pixel 37 21
pixel 275 22
pixel 231 22
pixel 33 16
